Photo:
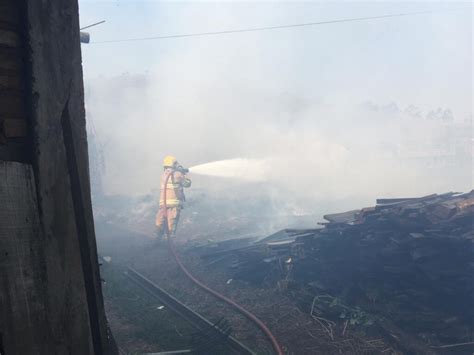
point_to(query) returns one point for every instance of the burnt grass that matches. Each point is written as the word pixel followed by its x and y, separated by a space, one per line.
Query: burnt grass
pixel 138 326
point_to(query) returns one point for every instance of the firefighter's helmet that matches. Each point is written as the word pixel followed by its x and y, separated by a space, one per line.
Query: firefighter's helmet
pixel 169 161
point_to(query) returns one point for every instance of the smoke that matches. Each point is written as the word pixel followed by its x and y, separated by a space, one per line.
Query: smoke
pixel 316 121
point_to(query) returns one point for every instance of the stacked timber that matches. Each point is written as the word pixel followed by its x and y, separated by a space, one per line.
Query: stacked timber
pixel 411 260
pixel 406 261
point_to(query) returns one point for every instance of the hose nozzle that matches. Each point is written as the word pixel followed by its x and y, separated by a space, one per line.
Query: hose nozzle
pixel 182 169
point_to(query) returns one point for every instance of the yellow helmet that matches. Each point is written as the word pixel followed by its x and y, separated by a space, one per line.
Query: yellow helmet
pixel 169 161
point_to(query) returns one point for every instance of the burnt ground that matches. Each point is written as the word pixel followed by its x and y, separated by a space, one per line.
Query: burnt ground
pixel 140 324
pixel 296 330
pixel 135 320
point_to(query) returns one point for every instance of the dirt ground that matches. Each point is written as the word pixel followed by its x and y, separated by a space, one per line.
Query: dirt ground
pixel 296 330
pixel 139 323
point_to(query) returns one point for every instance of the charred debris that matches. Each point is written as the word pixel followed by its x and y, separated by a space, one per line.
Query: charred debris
pixel 403 269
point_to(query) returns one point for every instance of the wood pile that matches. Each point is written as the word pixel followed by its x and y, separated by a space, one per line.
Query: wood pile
pixel 403 264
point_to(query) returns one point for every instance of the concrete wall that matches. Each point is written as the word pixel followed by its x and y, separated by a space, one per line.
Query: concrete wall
pixel 50 292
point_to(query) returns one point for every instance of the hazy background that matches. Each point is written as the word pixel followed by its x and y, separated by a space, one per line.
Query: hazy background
pixel 342 113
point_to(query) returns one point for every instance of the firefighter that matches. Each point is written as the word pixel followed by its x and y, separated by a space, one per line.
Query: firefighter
pixel 167 217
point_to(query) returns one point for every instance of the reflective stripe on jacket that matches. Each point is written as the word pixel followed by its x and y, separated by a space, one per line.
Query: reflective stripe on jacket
pixel 174 188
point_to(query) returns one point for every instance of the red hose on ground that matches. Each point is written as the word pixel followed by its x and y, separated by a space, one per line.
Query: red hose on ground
pixel 241 309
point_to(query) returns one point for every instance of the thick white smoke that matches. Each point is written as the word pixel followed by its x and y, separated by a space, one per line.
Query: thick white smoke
pixel 291 109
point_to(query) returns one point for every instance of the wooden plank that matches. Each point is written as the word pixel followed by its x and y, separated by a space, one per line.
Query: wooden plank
pixel 344 217
pixel 60 153
pixel 384 201
pixel 21 284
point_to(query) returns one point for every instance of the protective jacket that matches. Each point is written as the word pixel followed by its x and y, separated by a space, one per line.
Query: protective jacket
pixel 174 188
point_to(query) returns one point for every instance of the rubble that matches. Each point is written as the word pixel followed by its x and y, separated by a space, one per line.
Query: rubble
pixel 404 268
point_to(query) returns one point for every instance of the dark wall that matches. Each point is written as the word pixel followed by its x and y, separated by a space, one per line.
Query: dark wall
pixel 50 292
pixel 13 117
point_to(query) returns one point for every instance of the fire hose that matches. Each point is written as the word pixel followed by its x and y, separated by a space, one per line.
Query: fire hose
pixel 237 306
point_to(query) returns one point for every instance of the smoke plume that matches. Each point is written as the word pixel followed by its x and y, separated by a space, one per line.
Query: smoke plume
pixel 316 121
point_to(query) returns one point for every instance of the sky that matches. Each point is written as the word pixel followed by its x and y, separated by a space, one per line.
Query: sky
pixel 429 49
pixel 327 106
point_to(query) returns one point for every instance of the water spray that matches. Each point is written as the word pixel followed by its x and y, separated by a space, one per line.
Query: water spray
pixel 251 170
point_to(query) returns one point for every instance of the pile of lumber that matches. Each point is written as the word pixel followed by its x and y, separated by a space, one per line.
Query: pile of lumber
pixel 409 261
